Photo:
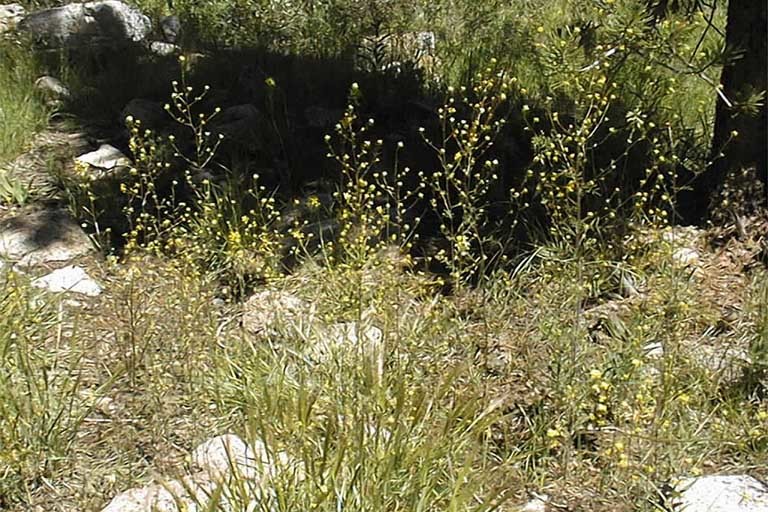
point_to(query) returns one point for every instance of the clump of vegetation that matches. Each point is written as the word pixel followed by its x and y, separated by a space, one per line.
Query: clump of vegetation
pixel 224 226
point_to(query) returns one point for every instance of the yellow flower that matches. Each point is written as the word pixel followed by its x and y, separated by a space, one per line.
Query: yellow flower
pixel 313 202
pixel 234 238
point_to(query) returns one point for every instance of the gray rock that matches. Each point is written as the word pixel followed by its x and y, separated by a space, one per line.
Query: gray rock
pixel 42 236
pixel 52 88
pixel 726 360
pixel 10 16
pixel 69 279
pixel 720 493
pixel 268 312
pixel 151 113
pixel 321 117
pixel 162 49
pixel 106 159
pixel 239 122
pixel 107 22
pixel 170 26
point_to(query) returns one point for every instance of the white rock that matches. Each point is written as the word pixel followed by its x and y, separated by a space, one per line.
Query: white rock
pixel 52 87
pixel 265 312
pixel 719 493
pixel 686 257
pixel 682 235
pixel 106 158
pixel 348 338
pixel 224 455
pixel 654 350
pixel 726 361
pixel 42 236
pixel 228 455
pixel 69 279
pixel 218 459
pixel 538 504
pixel 10 16
pixel 162 49
pixel 347 334
pixel 189 494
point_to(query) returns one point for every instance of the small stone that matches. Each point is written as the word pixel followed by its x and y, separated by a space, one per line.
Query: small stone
pixel 150 113
pixel 69 279
pixel 52 87
pixel 726 361
pixel 350 333
pixel 682 235
pixel 629 285
pixel 238 122
pixel 497 362
pixel 654 350
pixel 686 257
pixel 228 455
pixel 349 338
pixel 162 49
pixel 105 158
pixel 720 493
pixel 322 117
pixel 537 504
pixel 266 312
pixel 224 455
pixel 105 405
pixel 10 16
pixel 190 494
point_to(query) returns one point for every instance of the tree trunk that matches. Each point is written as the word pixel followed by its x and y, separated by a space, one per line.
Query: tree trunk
pixel 739 141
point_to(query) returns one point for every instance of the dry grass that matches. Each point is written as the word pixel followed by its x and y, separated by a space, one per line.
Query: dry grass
pixel 156 365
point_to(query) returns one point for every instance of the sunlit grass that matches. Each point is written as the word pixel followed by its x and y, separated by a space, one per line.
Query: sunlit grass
pixel 22 113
